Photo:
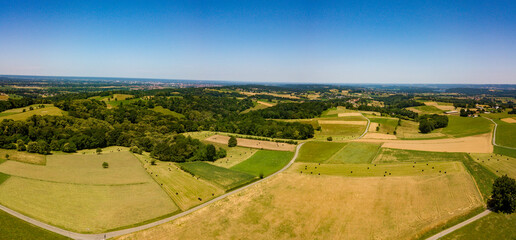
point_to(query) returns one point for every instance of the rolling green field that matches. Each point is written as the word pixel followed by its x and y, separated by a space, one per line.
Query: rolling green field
pixel 378 170
pixel 15 228
pixel 410 130
pixel 492 226
pixel 505 133
pixel 182 187
pixel 225 178
pixel 355 152
pixel 387 125
pixel 76 193
pixel 18 114
pixel 498 164
pixel 264 162
pixel 505 151
pixel 345 131
pixel 318 151
pixel 467 126
pixel 426 110
pixel 165 111
pixel 390 155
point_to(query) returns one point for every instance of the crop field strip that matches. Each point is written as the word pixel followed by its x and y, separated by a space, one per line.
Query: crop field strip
pixel 505 134
pixel 14 228
pixel 223 177
pixel 378 170
pixel 74 192
pixel 355 152
pixel 186 190
pixel 496 163
pixel 24 157
pixel 264 162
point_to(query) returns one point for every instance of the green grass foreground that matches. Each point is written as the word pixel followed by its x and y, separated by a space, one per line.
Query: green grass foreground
pixel 264 162
pixel 15 228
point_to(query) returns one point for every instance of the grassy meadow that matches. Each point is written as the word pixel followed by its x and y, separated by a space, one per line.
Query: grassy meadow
pixel 318 151
pixel 18 114
pixel 492 226
pixel 390 155
pixel 467 126
pixel 33 158
pixel 378 170
pixel 387 125
pixel 165 111
pixel 235 155
pixel 355 152
pixel 505 133
pixel 223 177
pixel 264 162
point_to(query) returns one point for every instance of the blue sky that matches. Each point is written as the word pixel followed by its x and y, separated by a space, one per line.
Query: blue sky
pixel 287 41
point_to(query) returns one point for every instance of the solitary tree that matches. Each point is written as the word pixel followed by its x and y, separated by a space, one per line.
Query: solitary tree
pixel 105 165
pixel 99 150
pixel 232 142
pixel 329 139
pixel 211 152
pixel 6 156
pixel 503 198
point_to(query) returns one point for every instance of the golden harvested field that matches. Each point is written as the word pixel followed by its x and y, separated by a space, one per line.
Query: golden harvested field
pixel 442 106
pixel 124 168
pixel 25 157
pixel 349 114
pixel 373 135
pixel 86 208
pixel 509 120
pixel 473 144
pixel 295 206
pixel 75 192
pixel 372 127
pixel 251 143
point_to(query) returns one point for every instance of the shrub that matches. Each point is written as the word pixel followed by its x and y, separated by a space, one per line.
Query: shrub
pixel 232 142
pixel 329 139
pixel 105 165
pixel 69 147
pixel 99 150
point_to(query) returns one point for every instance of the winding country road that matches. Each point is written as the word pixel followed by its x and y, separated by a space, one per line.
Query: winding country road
pixel 494 134
pixel 367 127
pixel 100 236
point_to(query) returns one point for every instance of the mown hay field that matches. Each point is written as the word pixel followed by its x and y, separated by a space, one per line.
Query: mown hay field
pixel 378 170
pixel 225 178
pixel 355 152
pixel 235 155
pixel 186 190
pixel 264 162
pixel 76 193
pixel 25 157
pixel 498 164
pixel 390 155
pixel 299 206
pixel 251 143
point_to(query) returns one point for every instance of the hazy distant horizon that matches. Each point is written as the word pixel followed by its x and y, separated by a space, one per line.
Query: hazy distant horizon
pixel 340 42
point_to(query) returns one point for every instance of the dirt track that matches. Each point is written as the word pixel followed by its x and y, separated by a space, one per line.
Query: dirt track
pixel 242 142
pixel 473 144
